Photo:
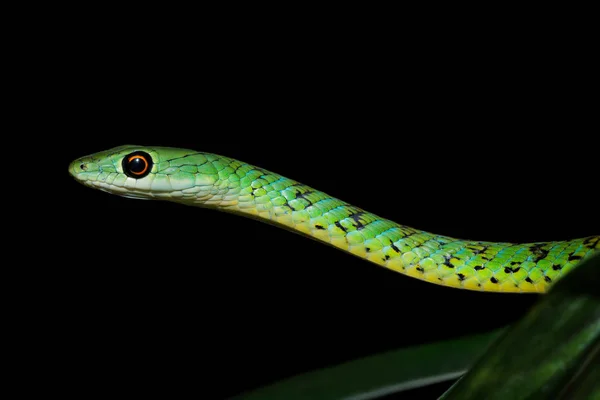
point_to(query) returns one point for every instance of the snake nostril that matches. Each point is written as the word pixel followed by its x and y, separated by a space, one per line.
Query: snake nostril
pixel 83 167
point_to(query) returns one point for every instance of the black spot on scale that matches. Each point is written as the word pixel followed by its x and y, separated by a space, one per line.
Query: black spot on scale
pixel 461 277
pixel 556 267
pixel 337 223
pixel 509 270
pixel 479 267
pixel 538 252
pixel 447 263
pixel 397 250
pixel 368 249
pixel 303 197
pixel 476 250
pixel 420 269
pixel 528 279
pixel 387 257
pixel 575 258
pixel 356 218
pixel 319 227
pixel 493 280
pixel 547 279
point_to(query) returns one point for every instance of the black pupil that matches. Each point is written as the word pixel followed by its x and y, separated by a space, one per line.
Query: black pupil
pixel 137 165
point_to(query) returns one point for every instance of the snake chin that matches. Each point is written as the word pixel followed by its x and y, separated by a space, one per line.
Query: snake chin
pixel 119 191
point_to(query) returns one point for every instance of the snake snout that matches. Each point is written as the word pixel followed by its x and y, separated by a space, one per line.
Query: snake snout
pixel 77 167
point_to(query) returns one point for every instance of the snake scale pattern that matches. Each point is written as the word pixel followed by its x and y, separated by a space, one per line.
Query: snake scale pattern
pixel 212 181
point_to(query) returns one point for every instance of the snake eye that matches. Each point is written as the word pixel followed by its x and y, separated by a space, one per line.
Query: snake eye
pixel 137 165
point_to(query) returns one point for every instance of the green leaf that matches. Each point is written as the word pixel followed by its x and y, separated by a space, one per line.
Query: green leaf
pixel 382 374
pixel 551 353
pixel 585 383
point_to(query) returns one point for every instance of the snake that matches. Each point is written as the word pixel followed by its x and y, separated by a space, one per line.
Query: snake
pixel 222 183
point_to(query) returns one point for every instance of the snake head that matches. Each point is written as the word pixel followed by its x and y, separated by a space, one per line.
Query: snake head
pixel 148 172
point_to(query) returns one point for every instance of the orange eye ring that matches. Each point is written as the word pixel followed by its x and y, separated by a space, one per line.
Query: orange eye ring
pixel 144 163
pixel 137 165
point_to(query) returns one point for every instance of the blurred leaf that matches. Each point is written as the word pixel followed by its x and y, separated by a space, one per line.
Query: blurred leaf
pixel 381 374
pixel 551 353
pixel 585 384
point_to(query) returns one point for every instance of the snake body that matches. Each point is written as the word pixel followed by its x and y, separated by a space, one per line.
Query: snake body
pixel 213 181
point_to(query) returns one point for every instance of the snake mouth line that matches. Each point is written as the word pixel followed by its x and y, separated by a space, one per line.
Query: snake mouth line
pixel 118 190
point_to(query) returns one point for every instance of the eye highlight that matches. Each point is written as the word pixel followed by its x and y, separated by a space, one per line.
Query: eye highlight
pixel 137 164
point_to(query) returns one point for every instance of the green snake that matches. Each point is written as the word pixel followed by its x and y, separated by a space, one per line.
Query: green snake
pixel 212 181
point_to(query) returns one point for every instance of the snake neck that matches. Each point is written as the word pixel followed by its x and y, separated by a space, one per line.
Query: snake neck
pixel 442 260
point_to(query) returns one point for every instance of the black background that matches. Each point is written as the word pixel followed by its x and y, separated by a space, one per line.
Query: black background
pixel 455 140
